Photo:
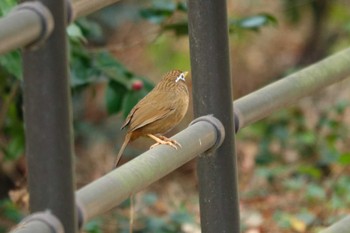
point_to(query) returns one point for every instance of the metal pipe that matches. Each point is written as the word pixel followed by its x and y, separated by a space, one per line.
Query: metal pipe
pixel 280 94
pixel 27 23
pixel 113 188
pixel 21 28
pixel 33 226
pixel 48 124
pixel 212 94
pixel 42 222
pixel 342 226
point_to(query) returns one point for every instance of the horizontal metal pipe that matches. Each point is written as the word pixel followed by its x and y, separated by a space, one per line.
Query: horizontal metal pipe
pixel 21 28
pixel 261 103
pixel 36 226
pixel 113 188
pixel 40 222
pixel 342 226
pixel 85 7
pixel 17 29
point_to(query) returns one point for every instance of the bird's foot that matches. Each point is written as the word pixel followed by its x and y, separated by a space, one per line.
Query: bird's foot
pixel 161 140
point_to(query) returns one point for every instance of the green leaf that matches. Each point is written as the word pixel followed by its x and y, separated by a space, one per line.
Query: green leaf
pixel 9 211
pixel 311 171
pixel 254 22
pixel 91 29
pixel 156 16
pixel 180 28
pixel 306 216
pixel 149 199
pixel 15 148
pixel 182 6
pixel 6 6
pixel 112 69
pixel 341 106
pixel 12 63
pixel 181 217
pixel 82 73
pixel 315 192
pixel 162 10
pixel 344 159
pixel 130 100
pixel 75 33
pixel 114 96
pixel 93 226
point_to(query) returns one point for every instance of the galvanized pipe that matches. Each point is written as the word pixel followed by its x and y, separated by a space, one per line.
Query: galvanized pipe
pixel 48 124
pixel 26 24
pixel 41 222
pixel 110 190
pixel 342 226
pixel 280 94
pixel 212 94
pixel 36 226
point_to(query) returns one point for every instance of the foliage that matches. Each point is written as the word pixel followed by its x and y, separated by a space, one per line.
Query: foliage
pixel 174 222
pixel 162 12
pixel 308 164
pixel 288 130
pixel 316 174
pixel 88 67
pixel 9 214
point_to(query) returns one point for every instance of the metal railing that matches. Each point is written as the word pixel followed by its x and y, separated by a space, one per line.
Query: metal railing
pixel 48 124
pixel 34 23
pixel 212 94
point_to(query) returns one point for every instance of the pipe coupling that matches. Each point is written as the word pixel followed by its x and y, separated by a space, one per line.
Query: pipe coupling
pixel 46 21
pixel 219 128
pixel 45 217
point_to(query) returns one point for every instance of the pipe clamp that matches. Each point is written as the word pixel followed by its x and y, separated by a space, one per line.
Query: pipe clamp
pixel 46 21
pixel 45 217
pixel 220 130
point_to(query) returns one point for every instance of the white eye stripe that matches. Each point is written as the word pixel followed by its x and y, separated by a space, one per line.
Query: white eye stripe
pixel 180 77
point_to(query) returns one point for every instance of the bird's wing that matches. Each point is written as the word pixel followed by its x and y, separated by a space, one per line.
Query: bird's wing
pixel 133 110
pixel 150 109
pixel 148 113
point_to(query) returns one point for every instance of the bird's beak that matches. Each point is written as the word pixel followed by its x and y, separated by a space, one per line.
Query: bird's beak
pixel 185 73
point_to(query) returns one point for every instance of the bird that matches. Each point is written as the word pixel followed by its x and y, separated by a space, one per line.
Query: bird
pixel 158 112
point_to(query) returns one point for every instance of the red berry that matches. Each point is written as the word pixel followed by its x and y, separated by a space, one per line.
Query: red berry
pixel 137 85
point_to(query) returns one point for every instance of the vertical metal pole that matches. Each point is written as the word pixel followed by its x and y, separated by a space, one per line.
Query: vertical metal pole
pixel 212 94
pixel 48 122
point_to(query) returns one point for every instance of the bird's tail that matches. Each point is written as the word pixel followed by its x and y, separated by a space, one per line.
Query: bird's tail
pixel 120 153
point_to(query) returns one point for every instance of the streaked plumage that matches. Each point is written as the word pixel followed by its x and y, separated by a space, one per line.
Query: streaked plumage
pixel 159 111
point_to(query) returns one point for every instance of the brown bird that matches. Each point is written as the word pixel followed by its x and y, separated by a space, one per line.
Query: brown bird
pixel 158 112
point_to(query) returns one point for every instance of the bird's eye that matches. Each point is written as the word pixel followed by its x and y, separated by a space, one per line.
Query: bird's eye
pixel 180 77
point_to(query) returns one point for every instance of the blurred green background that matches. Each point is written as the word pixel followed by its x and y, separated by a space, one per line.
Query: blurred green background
pixel 293 166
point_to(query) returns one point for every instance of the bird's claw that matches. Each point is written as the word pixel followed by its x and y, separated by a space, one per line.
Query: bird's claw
pixel 161 140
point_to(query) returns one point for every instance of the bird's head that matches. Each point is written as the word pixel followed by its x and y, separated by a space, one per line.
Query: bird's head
pixel 181 77
pixel 172 79
pixel 175 76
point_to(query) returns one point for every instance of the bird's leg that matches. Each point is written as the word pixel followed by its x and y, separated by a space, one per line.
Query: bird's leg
pixel 161 140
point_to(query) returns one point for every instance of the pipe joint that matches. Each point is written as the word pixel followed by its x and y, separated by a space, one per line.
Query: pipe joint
pixel 219 128
pixel 46 21
pixel 45 217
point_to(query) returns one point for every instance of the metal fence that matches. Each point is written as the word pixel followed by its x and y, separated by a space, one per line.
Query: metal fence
pixel 39 27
